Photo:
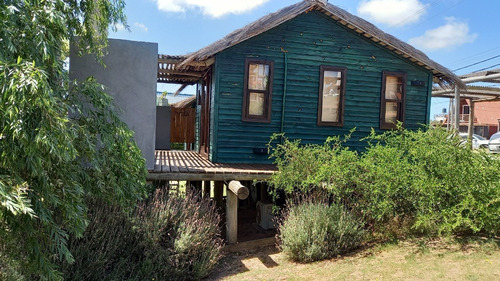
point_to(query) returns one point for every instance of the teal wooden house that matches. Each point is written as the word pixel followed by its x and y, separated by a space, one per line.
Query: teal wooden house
pixel 310 70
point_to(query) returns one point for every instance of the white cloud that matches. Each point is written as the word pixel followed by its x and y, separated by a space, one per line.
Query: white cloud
pixel 141 26
pixel 392 12
pixel 213 8
pixel 453 33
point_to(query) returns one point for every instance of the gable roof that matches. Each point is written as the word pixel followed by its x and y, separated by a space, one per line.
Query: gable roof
pixel 441 74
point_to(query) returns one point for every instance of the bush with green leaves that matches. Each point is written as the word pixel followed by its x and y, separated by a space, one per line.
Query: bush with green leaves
pixel 425 180
pixel 311 231
pixel 60 141
pixel 428 177
pixel 182 236
pixel 311 167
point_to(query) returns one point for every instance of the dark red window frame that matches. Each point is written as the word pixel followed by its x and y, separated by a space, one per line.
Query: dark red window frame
pixel 340 121
pixel 266 118
pixel 400 102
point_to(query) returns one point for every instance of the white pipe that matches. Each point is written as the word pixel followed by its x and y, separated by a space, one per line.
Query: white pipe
pixel 484 78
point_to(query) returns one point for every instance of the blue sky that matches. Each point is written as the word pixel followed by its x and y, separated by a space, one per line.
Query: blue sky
pixel 454 33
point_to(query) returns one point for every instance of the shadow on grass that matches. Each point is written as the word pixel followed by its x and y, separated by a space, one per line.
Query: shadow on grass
pixel 236 263
pixel 475 243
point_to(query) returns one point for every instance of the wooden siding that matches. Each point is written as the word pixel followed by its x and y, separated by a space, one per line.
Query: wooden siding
pixel 310 40
pixel 182 124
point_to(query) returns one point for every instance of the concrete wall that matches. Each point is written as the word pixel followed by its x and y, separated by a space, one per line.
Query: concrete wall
pixel 163 127
pixel 130 76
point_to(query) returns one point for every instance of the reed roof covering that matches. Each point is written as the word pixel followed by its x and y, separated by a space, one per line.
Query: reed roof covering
pixel 442 75
pixel 186 103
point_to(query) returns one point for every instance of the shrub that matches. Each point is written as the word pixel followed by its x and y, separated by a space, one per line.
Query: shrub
pixel 314 231
pixel 111 248
pixel 311 167
pixel 421 181
pixel 166 238
pixel 427 177
pixel 182 234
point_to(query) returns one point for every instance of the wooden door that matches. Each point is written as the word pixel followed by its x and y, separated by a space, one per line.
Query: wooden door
pixel 205 96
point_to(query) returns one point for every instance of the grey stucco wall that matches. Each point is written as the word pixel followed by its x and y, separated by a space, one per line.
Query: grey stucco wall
pixel 130 75
pixel 163 127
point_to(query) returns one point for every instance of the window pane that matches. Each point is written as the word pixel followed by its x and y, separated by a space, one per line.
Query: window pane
pixel 466 109
pixel 391 112
pixel 393 87
pixel 258 76
pixel 332 81
pixel 256 104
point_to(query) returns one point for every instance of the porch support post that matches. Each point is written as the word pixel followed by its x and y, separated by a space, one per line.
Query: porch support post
pixel 197 186
pixel 218 193
pixel 235 190
pixel 471 122
pixel 206 189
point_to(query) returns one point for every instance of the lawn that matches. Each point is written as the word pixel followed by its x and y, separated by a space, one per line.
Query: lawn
pixel 445 259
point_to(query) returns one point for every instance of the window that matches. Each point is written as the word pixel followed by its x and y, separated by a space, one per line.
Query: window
pixel 465 109
pixel 258 91
pixel 393 97
pixel 331 96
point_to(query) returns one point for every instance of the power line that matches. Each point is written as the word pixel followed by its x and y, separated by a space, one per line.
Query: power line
pixel 476 63
pixel 486 68
pixel 474 56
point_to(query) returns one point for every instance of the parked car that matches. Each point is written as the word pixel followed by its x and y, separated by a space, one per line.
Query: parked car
pixel 494 144
pixel 477 140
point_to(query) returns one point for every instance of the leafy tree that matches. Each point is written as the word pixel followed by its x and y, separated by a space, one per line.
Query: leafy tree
pixel 60 141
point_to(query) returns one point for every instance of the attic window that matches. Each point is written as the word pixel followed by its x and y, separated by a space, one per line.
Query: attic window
pixel 392 99
pixel 258 91
pixel 331 96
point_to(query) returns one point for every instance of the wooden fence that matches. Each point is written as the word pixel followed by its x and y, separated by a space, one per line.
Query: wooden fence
pixel 182 122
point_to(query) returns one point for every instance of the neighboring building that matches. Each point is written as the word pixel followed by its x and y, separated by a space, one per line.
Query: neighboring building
pixel 486 117
pixel 310 70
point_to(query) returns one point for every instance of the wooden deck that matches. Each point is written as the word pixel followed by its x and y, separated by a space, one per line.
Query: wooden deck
pixel 189 165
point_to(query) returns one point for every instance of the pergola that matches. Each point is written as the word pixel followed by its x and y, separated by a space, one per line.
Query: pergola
pixel 172 70
pixel 472 93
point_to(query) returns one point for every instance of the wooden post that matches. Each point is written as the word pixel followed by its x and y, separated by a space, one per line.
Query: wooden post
pixel 457 108
pixel 196 185
pixel 471 122
pixel 218 193
pixel 206 189
pixel 235 191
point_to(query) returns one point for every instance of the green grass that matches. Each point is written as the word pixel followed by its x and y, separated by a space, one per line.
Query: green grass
pixel 446 259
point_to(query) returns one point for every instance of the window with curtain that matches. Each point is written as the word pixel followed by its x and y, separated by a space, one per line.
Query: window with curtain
pixel 258 91
pixel 331 96
pixel 392 101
